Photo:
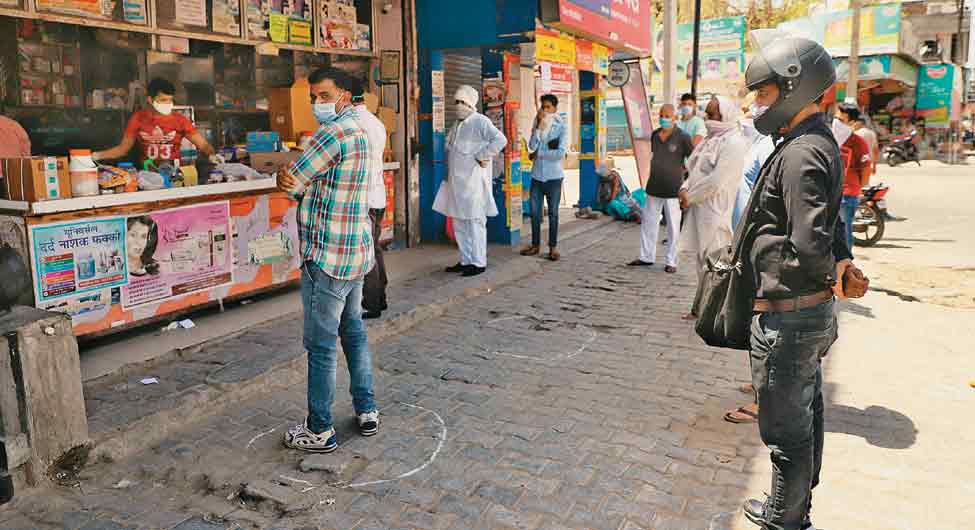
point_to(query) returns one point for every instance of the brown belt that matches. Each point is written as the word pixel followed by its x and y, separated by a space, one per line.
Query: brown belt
pixel 793 304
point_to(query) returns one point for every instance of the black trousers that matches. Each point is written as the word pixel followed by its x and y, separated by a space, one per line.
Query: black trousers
pixel 374 287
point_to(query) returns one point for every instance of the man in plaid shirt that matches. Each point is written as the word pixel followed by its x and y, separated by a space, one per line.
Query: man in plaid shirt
pixel 331 183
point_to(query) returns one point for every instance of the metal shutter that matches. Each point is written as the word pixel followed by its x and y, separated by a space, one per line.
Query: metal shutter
pixel 461 67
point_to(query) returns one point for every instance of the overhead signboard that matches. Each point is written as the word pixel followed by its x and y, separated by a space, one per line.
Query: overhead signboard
pixel 880 28
pixel 618 24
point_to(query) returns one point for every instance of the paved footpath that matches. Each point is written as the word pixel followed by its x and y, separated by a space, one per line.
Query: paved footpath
pixel 573 399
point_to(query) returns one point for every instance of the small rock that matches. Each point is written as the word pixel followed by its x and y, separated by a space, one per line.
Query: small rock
pixel 262 489
pixel 327 463
pixel 124 484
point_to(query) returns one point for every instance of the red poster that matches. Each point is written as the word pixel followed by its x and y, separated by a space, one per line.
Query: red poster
pixel 584 59
pixel 618 22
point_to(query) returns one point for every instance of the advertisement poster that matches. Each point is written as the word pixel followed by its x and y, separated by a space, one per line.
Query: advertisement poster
pixel 722 54
pixel 91 8
pixel 624 23
pixel 134 11
pixel 265 233
pixel 554 47
pixel 639 119
pixel 76 258
pixel 176 252
pixel 226 17
pixel 934 94
pixel 191 12
pixel 880 28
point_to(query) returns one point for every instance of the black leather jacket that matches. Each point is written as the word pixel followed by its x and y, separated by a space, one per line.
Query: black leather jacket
pixel 799 235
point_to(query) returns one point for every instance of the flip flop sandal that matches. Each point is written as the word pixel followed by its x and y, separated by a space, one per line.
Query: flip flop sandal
pixel 745 416
pixel 747 389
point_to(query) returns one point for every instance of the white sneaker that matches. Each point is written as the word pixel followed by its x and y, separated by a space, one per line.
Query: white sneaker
pixel 369 423
pixel 301 438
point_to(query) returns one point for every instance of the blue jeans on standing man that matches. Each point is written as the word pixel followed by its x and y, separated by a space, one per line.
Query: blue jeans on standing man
pixel 551 192
pixel 333 310
pixel 786 353
pixel 848 209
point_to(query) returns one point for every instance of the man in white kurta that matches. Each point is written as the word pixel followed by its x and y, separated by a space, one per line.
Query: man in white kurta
pixel 466 195
pixel 708 195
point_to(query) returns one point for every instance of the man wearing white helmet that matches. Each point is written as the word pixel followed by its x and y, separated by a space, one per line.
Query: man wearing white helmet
pixel 466 194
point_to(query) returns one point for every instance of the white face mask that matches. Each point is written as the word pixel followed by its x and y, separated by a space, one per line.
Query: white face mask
pixel 163 108
pixel 841 131
pixel 463 111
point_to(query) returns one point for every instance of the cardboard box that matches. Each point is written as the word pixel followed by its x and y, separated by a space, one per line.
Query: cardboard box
pixel 269 163
pixel 372 102
pixel 37 178
pixel 290 110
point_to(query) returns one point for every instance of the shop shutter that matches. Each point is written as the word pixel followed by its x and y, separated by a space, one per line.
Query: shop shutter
pixel 461 67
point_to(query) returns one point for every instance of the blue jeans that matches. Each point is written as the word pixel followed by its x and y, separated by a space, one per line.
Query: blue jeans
pixel 333 309
pixel 848 210
pixel 786 353
pixel 551 192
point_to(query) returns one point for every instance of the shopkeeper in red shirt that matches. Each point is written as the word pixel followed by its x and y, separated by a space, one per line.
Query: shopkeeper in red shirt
pixel 158 130
pixel 856 160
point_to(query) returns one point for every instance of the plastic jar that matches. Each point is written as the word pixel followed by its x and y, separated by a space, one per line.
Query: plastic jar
pixel 83 172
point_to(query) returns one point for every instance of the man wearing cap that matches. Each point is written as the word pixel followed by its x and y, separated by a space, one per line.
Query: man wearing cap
pixel 798 262
pixel 466 194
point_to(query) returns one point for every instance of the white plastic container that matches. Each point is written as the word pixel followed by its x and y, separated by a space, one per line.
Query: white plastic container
pixel 84 173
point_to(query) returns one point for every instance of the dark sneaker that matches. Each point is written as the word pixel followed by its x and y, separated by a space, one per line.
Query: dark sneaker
pixel 369 423
pixel 455 268
pixel 301 438
pixel 473 270
pixel 639 263
pixel 372 315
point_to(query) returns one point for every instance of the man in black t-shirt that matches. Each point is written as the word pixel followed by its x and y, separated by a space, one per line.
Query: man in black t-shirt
pixel 670 147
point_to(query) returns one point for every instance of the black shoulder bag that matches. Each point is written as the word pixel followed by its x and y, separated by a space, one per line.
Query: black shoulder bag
pixel 727 289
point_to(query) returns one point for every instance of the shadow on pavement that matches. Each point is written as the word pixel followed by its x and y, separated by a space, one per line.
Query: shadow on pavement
pixel 879 426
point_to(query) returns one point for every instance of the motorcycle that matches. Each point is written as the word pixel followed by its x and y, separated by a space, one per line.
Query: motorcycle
pixel 869 220
pixel 902 149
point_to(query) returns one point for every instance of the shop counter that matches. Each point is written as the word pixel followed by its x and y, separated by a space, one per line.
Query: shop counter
pixel 116 261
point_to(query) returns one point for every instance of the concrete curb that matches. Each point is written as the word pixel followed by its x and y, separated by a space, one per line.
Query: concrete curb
pixel 207 399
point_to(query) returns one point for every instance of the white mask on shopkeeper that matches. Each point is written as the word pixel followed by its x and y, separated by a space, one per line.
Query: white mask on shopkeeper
pixel 463 111
pixel 841 131
pixel 163 108
pixel 547 121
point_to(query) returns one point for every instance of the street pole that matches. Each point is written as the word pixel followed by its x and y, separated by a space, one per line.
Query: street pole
pixel 695 68
pixel 668 63
pixel 854 60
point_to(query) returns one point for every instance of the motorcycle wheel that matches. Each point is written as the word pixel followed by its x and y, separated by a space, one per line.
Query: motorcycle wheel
pixel 874 221
pixel 892 159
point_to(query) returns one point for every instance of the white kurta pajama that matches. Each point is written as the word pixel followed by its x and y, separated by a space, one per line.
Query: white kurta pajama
pixel 467 196
pixel 714 171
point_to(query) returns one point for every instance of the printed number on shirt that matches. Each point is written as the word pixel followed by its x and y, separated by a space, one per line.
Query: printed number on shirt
pixel 159 151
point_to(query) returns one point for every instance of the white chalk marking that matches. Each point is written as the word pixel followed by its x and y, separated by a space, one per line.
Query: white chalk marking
pixel 297 480
pixel 258 437
pixel 410 473
pixel 560 357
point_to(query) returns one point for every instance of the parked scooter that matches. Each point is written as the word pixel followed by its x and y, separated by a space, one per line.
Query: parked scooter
pixel 869 221
pixel 902 149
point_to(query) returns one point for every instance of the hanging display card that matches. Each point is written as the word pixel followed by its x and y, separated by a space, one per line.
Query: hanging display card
pixel 279 28
pixel 191 12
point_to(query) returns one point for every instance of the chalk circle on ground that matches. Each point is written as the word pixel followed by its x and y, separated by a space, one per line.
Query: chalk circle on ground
pixel 530 338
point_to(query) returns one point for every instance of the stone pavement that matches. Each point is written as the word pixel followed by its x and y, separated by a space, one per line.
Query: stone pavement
pixel 575 398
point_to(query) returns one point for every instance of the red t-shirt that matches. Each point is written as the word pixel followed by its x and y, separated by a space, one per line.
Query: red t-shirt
pixel 856 160
pixel 159 136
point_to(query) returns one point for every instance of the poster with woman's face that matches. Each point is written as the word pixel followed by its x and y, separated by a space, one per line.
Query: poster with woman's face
pixel 176 252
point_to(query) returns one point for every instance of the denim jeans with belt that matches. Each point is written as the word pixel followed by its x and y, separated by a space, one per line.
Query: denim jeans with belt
pixel 786 354
pixel 550 191
pixel 333 310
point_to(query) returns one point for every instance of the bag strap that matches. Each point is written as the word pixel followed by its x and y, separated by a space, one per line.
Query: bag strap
pixel 746 226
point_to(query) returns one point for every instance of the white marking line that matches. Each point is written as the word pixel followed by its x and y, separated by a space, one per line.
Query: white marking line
pixel 443 438
pixel 592 338
pixel 297 480
pixel 258 437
